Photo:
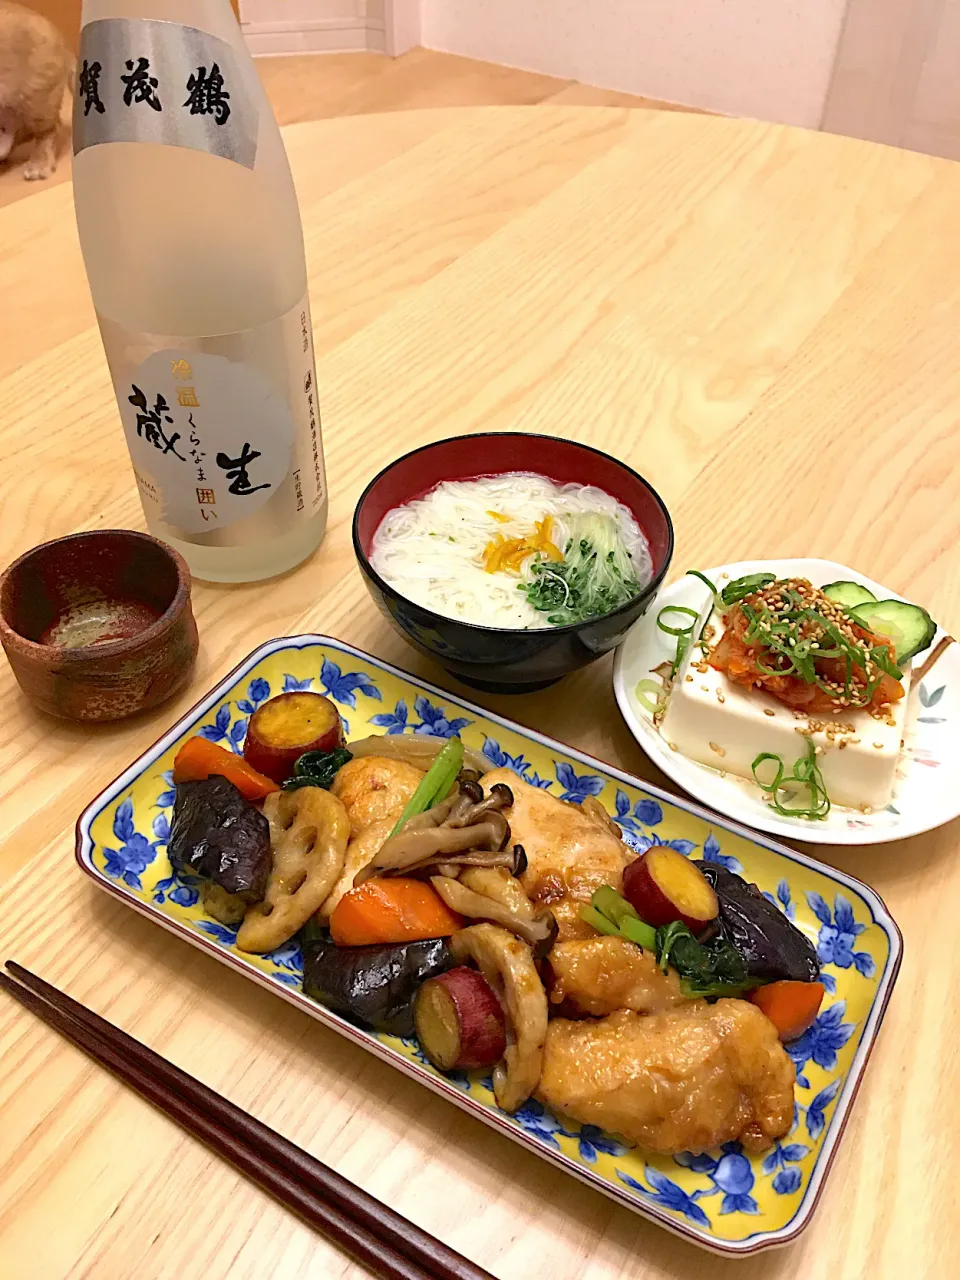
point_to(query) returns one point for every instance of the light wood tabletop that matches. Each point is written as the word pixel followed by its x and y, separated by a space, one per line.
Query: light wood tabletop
pixel 761 320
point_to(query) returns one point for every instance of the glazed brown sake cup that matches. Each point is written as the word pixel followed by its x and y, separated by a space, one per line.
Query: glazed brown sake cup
pixel 99 626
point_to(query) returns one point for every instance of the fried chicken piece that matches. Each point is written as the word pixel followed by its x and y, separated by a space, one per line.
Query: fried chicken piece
pixel 597 976
pixel 569 852
pixel 363 848
pixel 687 1080
pixel 375 789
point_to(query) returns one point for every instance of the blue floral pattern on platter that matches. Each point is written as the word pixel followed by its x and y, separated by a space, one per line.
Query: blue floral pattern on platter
pixel 719 1188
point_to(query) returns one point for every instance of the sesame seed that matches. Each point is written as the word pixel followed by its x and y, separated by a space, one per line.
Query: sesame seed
pixel 689 678
pixel 719 750
pixel 878 745
pixel 705 688
pixel 843 743
pixel 768 712
pixel 720 697
pixel 672 746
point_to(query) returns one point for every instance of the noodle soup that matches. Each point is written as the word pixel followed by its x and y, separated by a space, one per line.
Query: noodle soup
pixel 515 551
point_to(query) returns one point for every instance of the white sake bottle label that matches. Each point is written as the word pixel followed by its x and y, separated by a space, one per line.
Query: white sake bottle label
pixel 140 80
pixel 223 432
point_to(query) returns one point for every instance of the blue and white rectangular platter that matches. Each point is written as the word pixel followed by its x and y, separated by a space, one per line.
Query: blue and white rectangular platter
pixel 725 1200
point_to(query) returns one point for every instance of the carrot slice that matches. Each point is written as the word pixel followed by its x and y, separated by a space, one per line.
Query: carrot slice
pixel 394 909
pixel 198 759
pixel 790 1006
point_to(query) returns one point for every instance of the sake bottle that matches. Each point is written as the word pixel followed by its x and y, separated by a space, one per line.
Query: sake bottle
pixel 193 246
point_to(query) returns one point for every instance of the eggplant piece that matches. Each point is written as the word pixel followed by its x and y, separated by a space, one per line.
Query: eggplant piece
pixel 772 947
pixel 219 836
pixel 372 985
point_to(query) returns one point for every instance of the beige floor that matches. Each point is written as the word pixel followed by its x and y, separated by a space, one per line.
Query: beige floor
pixel 312 88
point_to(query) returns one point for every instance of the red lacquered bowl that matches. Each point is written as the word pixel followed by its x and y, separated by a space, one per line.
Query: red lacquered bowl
pixel 497 659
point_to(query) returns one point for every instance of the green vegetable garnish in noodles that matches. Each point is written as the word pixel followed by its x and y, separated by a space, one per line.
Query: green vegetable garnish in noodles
pixel 594 577
pixel 806 774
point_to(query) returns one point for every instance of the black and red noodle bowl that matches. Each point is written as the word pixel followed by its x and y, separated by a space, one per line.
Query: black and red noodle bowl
pixel 498 659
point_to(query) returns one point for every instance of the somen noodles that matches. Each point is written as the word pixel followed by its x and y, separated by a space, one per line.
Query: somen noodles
pixel 513 550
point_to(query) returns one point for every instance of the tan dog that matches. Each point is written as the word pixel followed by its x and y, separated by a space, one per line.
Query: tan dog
pixel 36 76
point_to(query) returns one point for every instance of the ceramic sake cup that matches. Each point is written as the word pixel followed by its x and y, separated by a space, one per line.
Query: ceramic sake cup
pixel 98 626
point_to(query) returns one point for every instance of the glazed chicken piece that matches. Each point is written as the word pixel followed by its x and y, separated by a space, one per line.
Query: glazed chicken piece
pixel 597 976
pixel 570 853
pixel 375 789
pixel 361 850
pixel 687 1080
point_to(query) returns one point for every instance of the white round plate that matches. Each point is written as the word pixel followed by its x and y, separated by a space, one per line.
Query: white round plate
pixel 927 790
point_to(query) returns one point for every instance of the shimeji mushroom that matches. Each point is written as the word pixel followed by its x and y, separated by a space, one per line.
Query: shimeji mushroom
pixel 467 829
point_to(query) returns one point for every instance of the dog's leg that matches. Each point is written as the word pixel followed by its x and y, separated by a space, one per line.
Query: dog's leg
pixel 43 158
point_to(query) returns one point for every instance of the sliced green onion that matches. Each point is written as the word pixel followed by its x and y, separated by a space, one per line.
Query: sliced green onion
pixel 745 586
pixel 695 573
pixel 684 634
pixel 762 758
pixel 676 608
pixel 435 784
pixel 650 695
pixel 792 653
pixel 806 773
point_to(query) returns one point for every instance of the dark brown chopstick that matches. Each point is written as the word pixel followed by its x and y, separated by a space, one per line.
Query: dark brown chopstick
pixel 371 1232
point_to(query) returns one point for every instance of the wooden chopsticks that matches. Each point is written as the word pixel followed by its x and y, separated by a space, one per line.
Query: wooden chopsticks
pixel 373 1234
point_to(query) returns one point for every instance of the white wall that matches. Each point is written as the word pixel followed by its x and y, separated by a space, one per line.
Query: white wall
pixel 312 26
pixel 770 59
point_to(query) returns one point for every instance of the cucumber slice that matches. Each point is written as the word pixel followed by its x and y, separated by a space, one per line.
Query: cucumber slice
pixel 909 628
pixel 848 594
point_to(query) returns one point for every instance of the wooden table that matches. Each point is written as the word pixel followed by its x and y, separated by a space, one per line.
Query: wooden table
pixel 762 320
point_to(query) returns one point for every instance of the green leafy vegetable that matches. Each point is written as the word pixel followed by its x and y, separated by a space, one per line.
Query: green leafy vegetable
pixel 436 782
pixel 318 768
pixel 713 968
pixel 595 576
pixel 613 915
pixel 806 773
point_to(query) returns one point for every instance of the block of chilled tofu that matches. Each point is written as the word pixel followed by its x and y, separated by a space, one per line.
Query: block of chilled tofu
pixel 726 726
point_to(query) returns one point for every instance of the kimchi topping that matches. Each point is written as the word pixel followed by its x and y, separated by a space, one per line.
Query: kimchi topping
pixel 806 651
